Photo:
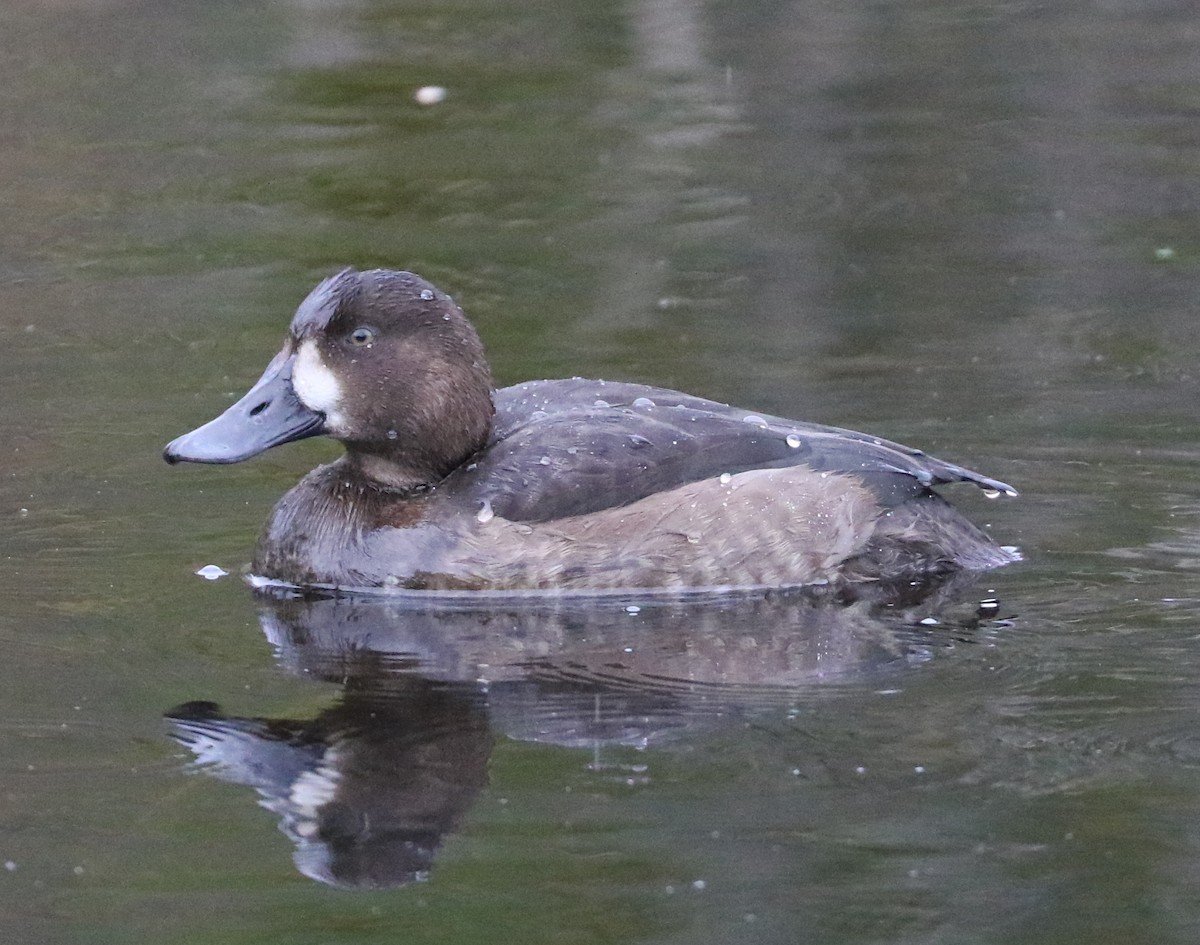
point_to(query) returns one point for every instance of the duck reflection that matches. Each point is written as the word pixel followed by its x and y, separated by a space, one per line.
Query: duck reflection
pixel 369 788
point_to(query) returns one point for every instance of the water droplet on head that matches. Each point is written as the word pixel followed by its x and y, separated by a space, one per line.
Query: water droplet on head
pixel 485 513
pixel 755 419
pixel 643 402
pixel 427 295
pixel 793 441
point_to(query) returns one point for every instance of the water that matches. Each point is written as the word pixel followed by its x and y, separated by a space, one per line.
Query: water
pixel 970 228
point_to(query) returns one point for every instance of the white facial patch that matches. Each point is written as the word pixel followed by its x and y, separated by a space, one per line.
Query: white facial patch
pixel 318 387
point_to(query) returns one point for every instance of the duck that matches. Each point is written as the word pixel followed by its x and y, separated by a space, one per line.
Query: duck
pixel 573 485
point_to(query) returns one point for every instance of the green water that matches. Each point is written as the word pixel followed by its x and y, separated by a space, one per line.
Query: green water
pixel 969 227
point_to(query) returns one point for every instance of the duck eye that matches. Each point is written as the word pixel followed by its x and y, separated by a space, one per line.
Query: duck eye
pixel 361 337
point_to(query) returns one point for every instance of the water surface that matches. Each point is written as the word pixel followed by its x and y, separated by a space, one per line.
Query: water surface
pixel 969 227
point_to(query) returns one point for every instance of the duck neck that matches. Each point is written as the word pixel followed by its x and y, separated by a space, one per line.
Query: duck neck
pixel 390 475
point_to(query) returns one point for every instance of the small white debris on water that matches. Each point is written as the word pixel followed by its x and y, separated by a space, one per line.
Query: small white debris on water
pixel 430 95
pixel 427 295
pixel 485 513
pixel 699 885
pixel 10 865
pixel 210 572
pixel 793 441
pixel 860 770
pixel 919 769
pixel 1163 253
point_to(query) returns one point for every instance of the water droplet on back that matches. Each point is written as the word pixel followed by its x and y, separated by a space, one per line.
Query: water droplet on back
pixel 755 419
pixel 793 441
pixel 392 434
pixel 427 295
pixel 725 478
pixel 544 461
pixel 485 513
pixel 643 402
pixel 601 403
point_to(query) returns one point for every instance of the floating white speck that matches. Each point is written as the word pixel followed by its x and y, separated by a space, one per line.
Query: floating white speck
pixel 210 572
pixel 430 95
pixel 10 865
pixel 1164 253
pixel 699 884
pixel 919 769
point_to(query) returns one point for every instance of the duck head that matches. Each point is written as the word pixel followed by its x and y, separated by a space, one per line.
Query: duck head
pixel 382 361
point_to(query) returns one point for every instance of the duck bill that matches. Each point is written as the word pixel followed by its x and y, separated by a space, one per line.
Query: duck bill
pixel 269 414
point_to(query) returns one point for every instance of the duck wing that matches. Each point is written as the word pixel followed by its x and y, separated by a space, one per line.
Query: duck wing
pixel 570 447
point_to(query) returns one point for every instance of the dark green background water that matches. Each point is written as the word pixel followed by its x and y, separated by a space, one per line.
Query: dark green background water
pixel 967 226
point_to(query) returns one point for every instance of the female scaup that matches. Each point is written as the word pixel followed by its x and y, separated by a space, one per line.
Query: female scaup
pixel 569 484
